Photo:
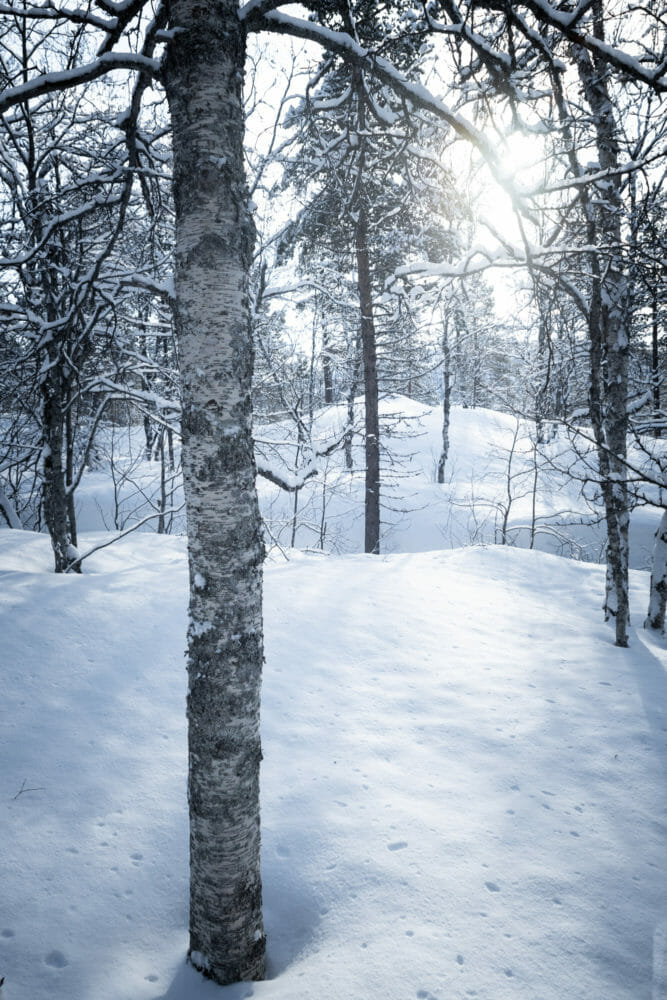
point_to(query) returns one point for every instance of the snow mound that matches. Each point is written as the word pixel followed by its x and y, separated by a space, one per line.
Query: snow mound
pixel 463 784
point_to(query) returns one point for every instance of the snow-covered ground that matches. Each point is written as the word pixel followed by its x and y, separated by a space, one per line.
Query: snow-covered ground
pixel 463 786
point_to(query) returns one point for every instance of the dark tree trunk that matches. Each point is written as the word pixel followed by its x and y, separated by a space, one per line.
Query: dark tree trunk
pixel 369 358
pixel 203 78
pixel 327 374
pixel 655 360
pixel 54 493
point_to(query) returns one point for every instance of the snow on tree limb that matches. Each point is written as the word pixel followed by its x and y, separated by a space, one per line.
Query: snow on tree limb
pixel 345 46
pixel 565 22
pixel 49 83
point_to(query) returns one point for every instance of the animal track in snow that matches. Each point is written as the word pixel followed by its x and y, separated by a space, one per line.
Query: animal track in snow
pixel 397 845
pixel 56 959
pixel 492 886
pixel 7 933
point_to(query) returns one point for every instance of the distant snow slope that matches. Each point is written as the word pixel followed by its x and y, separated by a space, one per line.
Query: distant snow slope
pixel 463 785
pixel 490 471
pixel 493 469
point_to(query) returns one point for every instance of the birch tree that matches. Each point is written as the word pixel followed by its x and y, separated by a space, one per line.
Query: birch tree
pixel 202 76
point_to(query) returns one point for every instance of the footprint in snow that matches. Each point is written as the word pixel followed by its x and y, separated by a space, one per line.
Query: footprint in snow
pixel 492 886
pixel 56 960
pixel 398 845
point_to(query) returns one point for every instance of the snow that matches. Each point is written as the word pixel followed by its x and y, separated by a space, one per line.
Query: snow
pixel 462 788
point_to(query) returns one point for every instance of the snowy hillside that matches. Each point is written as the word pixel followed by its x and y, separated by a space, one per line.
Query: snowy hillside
pixel 493 471
pixel 463 785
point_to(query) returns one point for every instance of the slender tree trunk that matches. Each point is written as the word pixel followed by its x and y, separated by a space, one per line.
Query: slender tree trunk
pixel 369 357
pixel 53 485
pixel 327 373
pixel 655 360
pixel 610 343
pixel 446 402
pixel 170 448
pixel 214 239
pixel 658 596
pixel 149 435
pixel 543 373
pixel 69 480
pixel 161 523
pixel 351 393
pixel 8 511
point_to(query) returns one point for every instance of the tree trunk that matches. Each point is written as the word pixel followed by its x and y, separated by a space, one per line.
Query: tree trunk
pixel 69 480
pixel 658 595
pixel 214 239
pixel 446 402
pixel 8 511
pixel 54 494
pixel 369 357
pixel 610 343
pixel 655 361
pixel 327 373
pixel 351 393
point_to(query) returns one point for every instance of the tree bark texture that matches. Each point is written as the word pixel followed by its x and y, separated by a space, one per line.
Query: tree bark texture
pixel 658 595
pixel 610 343
pixel 54 493
pixel 369 357
pixel 446 400
pixel 214 242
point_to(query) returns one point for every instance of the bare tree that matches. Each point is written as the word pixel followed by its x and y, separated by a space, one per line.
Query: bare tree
pixel 202 75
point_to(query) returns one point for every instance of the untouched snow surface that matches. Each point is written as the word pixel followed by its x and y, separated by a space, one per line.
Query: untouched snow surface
pixel 463 786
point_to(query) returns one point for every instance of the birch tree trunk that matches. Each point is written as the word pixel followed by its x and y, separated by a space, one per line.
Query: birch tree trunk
pixel 610 339
pixel 658 595
pixel 8 511
pixel 446 399
pixel 214 240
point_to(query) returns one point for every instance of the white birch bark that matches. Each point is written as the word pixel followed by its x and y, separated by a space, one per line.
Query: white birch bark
pixel 658 594
pixel 610 340
pixel 214 240
pixel 8 511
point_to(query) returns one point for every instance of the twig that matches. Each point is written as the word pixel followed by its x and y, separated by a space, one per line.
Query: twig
pixel 23 789
pixel 122 534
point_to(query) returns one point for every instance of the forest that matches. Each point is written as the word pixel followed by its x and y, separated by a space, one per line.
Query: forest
pixel 332 348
